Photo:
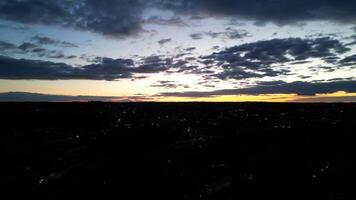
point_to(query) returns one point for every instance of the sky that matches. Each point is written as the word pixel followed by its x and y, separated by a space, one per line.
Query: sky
pixel 178 50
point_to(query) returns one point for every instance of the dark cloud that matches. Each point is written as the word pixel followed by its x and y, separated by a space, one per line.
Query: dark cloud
pixel 50 41
pixel 163 63
pixel 120 18
pixel 300 88
pixel 351 43
pixel 216 47
pixel 173 21
pixel 13 27
pixel 134 78
pixel 270 83
pixel 27 46
pixel 229 33
pixel 236 34
pixel 102 69
pixel 154 64
pixel 254 60
pixel 36 97
pixel 214 34
pixel 301 62
pixel 304 77
pixel 331 59
pixel 164 41
pixel 278 11
pixel 185 52
pixel 6 46
pixel 190 49
pixel 11 68
pixel 349 60
pixel 33 50
pixel 342 79
pixel 196 36
pixel 352 39
pixel 239 73
pixel 109 17
pixel 169 85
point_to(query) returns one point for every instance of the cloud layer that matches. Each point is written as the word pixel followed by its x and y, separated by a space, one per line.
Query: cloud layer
pixel 268 58
pixel 278 11
pixel 37 47
pixel 300 88
pixel 109 17
pixel 103 69
pixel 120 18
pixel 260 59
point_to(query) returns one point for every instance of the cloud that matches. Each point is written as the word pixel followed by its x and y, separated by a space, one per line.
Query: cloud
pixel 37 97
pixel 154 64
pixel 300 88
pixel 196 36
pixel 6 46
pixel 270 83
pixel 13 27
pixel 11 68
pixel 50 41
pixel 32 49
pixel 164 41
pixel 169 85
pixel 103 69
pixel 278 11
pixel 190 49
pixel 121 18
pixel 251 60
pixel 173 21
pixel 349 60
pixel 27 46
pixel 229 33
pixel 109 17
pixel 255 60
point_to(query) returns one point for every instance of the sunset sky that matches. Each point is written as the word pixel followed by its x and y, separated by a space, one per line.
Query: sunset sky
pixel 178 50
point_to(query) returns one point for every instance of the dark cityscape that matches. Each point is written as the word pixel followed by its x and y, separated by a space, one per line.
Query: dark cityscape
pixel 179 150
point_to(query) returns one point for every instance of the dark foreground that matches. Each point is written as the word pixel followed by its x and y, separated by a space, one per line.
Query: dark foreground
pixel 178 151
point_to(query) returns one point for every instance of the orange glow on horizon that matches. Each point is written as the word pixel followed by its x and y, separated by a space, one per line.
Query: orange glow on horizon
pixel 231 98
pixel 258 98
